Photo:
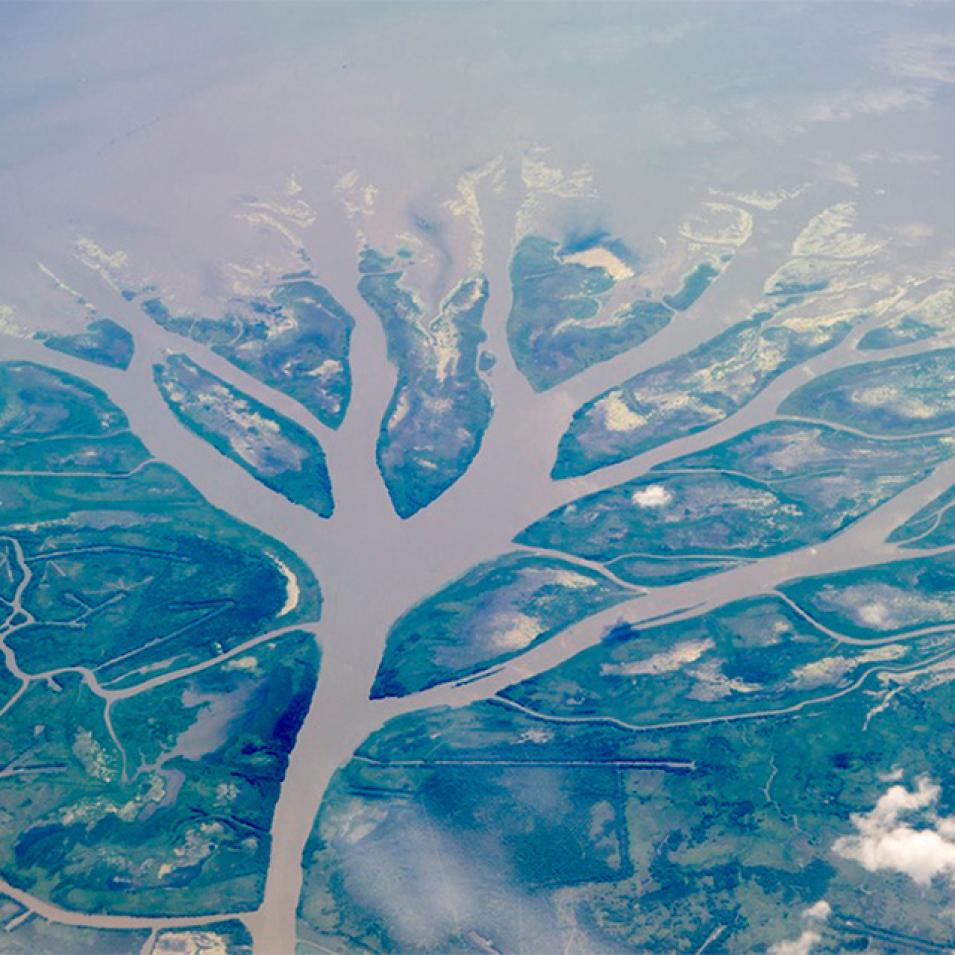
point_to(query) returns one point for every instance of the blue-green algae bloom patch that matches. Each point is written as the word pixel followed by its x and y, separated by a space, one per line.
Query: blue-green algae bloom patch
pixel 295 339
pixel 103 341
pixel 275 450
pixel 441 405
pixel 496 611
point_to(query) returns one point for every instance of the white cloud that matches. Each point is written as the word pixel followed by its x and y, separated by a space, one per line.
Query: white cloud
pixel 800 946
pixel 817 913
pixel 844 104
pixel 653 495
pixel 927 56
pixel 888 838
pixel 900 157
pixel 915 232
pixel 681 128
pixel 839 172
pixel 423 883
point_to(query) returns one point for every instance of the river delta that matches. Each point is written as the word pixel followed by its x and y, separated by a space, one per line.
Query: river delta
pixel 438 521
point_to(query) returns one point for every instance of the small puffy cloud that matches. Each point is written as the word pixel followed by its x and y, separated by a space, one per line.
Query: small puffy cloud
pixel 800 946
pixel 653 495
pixel 817 913
pixel 902 833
